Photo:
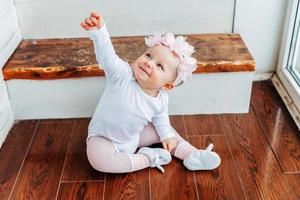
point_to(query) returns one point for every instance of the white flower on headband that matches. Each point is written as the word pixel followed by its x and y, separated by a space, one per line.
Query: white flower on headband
pixel 183 49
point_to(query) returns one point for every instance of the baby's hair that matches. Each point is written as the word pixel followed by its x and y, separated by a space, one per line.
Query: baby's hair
pixel 184 50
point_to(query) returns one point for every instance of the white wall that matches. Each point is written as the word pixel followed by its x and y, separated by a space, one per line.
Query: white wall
pixel 258 21
pixel 9 31
pixel 61 18
pixel 10 36
pixel 260 24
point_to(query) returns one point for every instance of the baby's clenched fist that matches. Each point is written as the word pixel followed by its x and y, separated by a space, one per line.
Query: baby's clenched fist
pixel 93 22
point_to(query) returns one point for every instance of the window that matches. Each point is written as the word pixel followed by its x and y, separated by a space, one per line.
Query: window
pixel 287 78
pixel 294 54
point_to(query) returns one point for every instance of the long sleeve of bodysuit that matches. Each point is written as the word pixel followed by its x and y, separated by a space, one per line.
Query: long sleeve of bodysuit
pixel 114 67
pixel 161 122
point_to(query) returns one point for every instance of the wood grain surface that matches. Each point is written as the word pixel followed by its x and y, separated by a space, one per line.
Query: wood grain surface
pixel 71 58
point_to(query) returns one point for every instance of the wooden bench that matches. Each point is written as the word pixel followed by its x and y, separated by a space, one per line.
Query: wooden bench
pixel 69 58
pixel 48 70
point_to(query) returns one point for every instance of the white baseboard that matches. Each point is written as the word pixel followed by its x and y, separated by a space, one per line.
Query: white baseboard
pixel 74 98
pixel 261 76
pixel 288 101
pixel 6 116
pixel 5 129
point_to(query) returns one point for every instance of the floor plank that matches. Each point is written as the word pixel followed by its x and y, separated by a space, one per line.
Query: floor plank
pixel 278 125
pixel 203 124
pixel 133 185
pixel 77 166
pixel 257 166
pixel 12 154
pixel 178 124
pixel 56 120
pixel 176 183
pixel 293 179
pixel 40 174
pixel 81 190
pixel 169 185
pixel 223 182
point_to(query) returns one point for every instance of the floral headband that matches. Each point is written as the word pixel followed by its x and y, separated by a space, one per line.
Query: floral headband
pixel 183 49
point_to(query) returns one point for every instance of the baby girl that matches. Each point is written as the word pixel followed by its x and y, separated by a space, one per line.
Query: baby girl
pixel 133 110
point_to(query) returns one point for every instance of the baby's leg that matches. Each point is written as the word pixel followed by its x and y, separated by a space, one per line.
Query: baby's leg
pixel 149 136
pixel 103 157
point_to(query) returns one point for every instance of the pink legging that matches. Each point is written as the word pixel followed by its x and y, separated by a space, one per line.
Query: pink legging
pixel 103 156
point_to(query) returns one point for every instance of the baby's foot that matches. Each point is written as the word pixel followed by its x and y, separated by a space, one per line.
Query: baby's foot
pixel 157 156
pixel 202 159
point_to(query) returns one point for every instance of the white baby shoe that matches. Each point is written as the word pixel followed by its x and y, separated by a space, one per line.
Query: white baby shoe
pixel 157 156
pixel 202 159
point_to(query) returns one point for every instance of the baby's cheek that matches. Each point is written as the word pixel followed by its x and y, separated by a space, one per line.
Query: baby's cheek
pixel 170 77
pixel 134 64
pixel 162 82
pixel 155 81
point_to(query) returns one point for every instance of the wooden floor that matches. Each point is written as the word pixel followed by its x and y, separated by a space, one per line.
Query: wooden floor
pixel 260 152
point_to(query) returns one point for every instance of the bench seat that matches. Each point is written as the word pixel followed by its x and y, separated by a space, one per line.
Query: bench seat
pixel 69 58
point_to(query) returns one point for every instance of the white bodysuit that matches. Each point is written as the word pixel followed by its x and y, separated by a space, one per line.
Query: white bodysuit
pixel 124 109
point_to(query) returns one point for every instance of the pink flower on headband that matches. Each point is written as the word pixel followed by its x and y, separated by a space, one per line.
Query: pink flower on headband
pixel 183 49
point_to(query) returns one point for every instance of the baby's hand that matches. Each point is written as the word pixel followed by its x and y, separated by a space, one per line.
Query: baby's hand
pixel 93 22
pixel 170 143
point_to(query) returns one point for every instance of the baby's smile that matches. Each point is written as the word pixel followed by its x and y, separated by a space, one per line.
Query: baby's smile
pixel 144 70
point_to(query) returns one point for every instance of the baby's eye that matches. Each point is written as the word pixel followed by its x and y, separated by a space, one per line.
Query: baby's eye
pixel 160 66
pixel 148 55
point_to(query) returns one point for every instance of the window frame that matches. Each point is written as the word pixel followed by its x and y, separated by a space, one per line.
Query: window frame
pixel 284 80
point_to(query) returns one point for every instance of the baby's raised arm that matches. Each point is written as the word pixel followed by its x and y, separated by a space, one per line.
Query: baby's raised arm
pixel 113 66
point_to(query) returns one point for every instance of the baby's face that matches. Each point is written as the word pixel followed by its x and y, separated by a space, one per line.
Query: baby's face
pixel 156 67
